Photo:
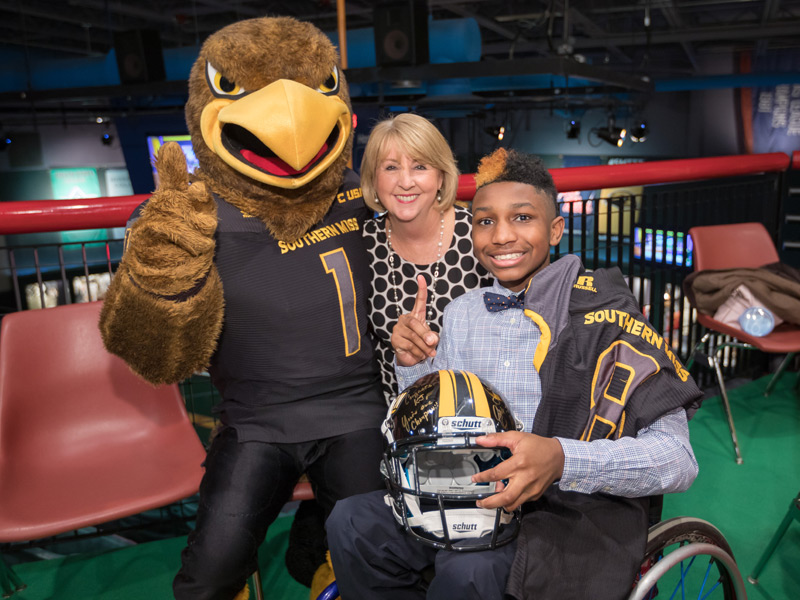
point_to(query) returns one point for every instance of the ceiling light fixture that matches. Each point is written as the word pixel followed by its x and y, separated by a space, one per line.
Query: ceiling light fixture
pixel 107 138
pixel 611 134
pixel 639 132
pixel 573 129
pixel 498 131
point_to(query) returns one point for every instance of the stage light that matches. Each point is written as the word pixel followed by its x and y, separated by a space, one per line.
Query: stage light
pixel 498 131
pixel 107 139
pixel 573 129
pixel 611 134
pixel 639 132
pixel 615 137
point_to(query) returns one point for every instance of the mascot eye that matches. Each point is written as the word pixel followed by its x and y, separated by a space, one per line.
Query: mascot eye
pixel 331 85
pixel 221 86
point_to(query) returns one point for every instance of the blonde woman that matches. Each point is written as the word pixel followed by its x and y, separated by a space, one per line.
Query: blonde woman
pixel 409 176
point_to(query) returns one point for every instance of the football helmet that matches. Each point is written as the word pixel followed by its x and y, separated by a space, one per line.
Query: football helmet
pixel 431 456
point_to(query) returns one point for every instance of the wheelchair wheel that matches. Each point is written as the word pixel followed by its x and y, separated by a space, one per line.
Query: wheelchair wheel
pixel 688 558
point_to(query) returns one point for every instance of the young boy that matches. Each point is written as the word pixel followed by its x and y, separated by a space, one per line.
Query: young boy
pixel 602 397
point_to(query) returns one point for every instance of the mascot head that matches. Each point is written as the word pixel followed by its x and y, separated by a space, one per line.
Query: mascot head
pixel 270 119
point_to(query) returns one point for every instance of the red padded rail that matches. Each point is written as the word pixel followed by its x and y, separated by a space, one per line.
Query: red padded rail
pixel 34 216
pixel 658 171
pixel 91 213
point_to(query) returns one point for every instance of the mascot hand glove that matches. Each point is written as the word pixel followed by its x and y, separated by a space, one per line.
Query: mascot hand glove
pixel 171 246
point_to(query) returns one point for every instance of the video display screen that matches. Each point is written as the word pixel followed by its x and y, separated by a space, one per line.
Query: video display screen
pixel 662 246
pixel 154 142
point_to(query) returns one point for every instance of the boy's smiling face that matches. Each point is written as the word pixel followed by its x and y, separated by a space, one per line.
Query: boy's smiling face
pixel 513 227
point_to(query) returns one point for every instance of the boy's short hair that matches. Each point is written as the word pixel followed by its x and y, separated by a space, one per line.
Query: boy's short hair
pixel 518 167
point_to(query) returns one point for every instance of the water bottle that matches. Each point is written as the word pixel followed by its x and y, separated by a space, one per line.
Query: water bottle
pixel 757 321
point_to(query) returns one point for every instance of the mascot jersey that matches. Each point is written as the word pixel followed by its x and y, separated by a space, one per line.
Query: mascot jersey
pixel 288 368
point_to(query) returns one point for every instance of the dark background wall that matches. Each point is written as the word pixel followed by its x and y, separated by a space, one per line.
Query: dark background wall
pixel 681 124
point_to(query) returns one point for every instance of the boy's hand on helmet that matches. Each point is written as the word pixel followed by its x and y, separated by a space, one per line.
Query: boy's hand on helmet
pixel 536 462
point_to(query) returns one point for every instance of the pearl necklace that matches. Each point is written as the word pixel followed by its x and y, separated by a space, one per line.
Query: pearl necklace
pixel 432 288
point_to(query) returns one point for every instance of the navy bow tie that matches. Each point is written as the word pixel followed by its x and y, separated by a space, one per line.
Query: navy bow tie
pixel 497 302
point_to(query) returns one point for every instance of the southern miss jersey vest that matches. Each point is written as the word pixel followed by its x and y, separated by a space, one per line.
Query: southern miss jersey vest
pixel 294 361
pixel 605 374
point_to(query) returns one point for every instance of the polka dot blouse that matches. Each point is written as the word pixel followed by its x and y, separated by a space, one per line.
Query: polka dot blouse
pixel 459 272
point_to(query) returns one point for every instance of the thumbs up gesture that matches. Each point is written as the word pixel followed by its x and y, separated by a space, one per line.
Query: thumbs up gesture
pixel 412 339
pixel 171 245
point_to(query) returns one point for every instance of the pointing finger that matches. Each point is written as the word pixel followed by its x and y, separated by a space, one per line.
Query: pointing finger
pixel 422 299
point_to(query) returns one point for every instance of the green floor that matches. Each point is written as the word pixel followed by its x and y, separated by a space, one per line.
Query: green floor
pixel 144 572
pixel 747 502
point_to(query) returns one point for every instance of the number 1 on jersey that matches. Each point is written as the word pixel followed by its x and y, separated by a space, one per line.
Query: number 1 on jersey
pixel 336 264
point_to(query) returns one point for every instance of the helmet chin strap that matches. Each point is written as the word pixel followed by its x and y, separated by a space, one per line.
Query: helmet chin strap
pixel 462 523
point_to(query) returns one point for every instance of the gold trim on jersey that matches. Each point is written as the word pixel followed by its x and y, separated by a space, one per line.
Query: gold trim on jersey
pixel 544 338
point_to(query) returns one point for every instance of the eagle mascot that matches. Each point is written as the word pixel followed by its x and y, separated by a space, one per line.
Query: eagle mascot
pixel 253 268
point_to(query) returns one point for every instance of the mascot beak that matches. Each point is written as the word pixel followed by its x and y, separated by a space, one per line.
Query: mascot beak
pixel 285 134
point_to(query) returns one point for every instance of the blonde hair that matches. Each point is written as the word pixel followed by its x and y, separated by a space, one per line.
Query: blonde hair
pixel 417 137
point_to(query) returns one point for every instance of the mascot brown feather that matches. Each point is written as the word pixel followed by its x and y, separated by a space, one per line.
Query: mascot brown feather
pixel 270 119
pixel 271 124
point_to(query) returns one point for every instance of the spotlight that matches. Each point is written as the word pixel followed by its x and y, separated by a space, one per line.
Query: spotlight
pixel 573 129
pixel 497 131
pixel 611 134
pixel 107 139
pixel 639 132
pixel 615 137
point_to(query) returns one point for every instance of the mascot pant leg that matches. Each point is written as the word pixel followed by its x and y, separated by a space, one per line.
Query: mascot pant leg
pixel 345 465
pixel 339 467
pixel 242 492
pixel 373 557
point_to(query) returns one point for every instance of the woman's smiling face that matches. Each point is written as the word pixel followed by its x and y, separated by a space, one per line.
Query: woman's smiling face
pixel 405 186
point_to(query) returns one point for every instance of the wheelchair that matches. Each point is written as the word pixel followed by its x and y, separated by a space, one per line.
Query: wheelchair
pixel 686 558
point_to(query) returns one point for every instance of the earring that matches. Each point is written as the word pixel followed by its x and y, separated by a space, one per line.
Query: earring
pixel 439 196
pixel 378 201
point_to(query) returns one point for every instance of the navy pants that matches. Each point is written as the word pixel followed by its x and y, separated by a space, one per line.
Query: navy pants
pixel 373 557
pixel 243 490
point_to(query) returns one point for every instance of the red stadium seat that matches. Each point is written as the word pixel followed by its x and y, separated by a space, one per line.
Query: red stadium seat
pixel 740 245
pixel 82 439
